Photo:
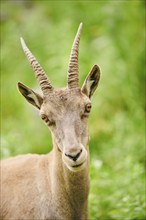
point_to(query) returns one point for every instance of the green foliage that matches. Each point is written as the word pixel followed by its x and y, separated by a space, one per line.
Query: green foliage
pixel 113 37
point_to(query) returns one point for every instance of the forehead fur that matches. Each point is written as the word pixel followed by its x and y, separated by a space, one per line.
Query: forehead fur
pixel 65 99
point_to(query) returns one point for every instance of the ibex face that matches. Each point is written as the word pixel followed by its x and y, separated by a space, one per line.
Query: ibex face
pixel 65 111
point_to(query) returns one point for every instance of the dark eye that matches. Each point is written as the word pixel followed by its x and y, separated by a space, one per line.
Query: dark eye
pixel 47 120
pixel 44 117
pixel 88 108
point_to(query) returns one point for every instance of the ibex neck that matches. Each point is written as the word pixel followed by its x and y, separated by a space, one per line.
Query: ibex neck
pixel 73 185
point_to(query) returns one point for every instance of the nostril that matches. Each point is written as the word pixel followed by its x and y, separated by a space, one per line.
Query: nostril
pixel 74 158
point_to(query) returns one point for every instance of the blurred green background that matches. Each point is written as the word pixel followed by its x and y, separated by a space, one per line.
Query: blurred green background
pixel 113 38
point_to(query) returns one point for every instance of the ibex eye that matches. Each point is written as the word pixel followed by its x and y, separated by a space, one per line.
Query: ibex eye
pixel 88 108
pixel 49 121
pixel 44 117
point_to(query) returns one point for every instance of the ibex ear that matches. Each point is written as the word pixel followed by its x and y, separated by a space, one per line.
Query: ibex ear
pixel 91 82
pixel 31 96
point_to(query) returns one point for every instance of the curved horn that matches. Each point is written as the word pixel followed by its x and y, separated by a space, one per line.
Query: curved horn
pixel 73 79
pixel 42 78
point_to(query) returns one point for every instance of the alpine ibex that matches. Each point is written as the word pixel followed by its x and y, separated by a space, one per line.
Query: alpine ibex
pixel 53 186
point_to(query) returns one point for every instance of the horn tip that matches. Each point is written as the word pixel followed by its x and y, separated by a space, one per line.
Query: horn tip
pixel 80 25
pixel 22 42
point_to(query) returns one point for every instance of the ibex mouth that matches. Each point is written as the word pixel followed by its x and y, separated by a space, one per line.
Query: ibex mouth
pixel 78 165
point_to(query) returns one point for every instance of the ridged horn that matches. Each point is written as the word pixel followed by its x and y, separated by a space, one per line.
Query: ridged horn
pixel 42 78
pixel 73 69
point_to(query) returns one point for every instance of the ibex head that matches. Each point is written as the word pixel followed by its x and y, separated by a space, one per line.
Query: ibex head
pixel 65 111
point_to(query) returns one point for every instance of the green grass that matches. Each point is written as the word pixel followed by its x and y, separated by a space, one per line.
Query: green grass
pixel 113 37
